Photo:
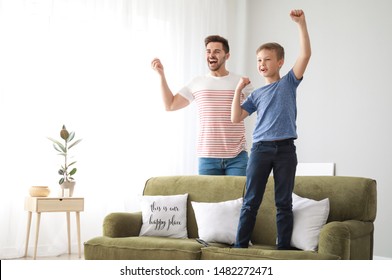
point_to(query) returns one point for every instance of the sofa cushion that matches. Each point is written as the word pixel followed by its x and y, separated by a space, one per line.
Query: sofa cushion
pixel 141 248
pixel 350 198
pixel 214 253
pixel 217 221
pixel 309 217
pixel 164 215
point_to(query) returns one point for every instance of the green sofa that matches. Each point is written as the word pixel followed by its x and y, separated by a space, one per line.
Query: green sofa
pixel 347 234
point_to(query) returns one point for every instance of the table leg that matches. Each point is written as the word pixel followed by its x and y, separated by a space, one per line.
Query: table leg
pixel 29 214
pixel 36 234
pixel 69 232
pixel 78 229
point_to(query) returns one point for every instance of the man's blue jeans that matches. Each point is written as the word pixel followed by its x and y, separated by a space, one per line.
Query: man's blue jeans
pixel 281 157
pixel 224 166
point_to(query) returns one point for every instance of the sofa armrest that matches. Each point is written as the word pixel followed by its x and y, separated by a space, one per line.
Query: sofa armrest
pixel 340 238
pixel 122 224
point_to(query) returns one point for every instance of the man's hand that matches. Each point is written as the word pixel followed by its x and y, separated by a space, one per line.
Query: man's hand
pixel 171 102
pixel 157 65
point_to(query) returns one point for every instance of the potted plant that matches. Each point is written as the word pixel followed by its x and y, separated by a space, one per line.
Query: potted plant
pixel 66 181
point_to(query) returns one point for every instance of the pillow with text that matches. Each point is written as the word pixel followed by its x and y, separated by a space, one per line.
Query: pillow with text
pixel 164 215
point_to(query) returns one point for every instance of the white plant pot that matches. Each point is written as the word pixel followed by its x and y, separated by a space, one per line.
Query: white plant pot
pixel 67 188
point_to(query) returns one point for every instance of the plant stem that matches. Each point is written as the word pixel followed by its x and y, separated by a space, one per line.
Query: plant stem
pixel 65 163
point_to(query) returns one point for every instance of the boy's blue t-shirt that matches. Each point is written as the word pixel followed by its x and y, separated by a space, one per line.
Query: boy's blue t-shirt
pixel 276 109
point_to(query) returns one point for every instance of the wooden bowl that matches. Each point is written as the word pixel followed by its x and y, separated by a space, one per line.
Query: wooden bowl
pixel 39 191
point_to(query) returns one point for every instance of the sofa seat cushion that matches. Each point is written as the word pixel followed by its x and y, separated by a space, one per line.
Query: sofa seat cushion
pixel 141 248
pixel 214 253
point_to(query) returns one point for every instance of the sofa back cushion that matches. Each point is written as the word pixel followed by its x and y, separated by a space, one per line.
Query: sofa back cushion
pixel 351 198
pixel 199 189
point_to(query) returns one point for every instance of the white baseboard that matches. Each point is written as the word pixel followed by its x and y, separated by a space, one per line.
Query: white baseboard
pixel 315 169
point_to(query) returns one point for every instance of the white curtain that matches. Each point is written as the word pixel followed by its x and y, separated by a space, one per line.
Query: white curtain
pixel 86 64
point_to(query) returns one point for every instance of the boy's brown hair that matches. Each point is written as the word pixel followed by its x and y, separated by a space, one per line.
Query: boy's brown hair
pixel 279 50
pixel 218 39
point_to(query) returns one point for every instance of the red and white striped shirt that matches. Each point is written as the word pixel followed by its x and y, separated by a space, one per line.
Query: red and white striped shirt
pixel 218 136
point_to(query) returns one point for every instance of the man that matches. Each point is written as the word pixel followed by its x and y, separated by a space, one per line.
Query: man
pixel 221 146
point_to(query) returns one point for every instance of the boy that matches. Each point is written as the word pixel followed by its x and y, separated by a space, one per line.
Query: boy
pixel 273 137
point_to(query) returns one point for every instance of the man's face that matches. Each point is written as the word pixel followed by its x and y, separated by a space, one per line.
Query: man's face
pixel 215 55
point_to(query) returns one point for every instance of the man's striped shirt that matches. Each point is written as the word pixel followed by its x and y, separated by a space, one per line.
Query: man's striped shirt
pixel 218 136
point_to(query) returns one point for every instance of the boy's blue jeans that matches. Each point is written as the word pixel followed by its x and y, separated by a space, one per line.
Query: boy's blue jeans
pixel 281 157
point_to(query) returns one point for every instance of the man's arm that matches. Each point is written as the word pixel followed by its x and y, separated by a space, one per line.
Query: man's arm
pixel 171 102
pixel 237 113
pixel 300 65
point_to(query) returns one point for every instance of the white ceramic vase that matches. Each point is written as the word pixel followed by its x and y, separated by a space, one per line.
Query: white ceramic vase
pixel 67 188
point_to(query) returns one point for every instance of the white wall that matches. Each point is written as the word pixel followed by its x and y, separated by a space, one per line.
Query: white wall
pixel 344 102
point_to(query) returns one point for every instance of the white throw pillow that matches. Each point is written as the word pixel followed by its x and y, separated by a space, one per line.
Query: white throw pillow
pixel 164 215
pixel 218 222
pixel 309 217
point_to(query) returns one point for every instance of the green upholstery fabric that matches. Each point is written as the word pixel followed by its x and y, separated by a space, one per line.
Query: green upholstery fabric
pixel 142 248
pixel 122 224
pixel 349 239
pixel 351 198
pixel 348 233
pixel 213 253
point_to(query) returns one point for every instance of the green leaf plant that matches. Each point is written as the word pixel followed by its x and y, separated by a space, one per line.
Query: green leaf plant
pixel 65 171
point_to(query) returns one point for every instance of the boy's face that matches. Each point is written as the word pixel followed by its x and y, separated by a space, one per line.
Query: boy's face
pixel 268 64
pixel 215 55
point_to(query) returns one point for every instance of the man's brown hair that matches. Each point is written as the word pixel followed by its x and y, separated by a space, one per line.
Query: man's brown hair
pixel 218 39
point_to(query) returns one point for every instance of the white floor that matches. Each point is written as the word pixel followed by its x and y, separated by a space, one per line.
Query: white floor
pixel 60 257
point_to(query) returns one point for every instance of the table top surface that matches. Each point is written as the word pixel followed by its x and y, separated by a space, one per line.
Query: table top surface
pixel 53 198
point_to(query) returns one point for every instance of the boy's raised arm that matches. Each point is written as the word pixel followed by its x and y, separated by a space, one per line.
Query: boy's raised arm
pixel 237 113
pixel 299 68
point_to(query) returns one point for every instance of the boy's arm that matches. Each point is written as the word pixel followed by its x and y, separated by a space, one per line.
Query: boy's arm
pixel 237 113
pixel 171 102
pixel 299 68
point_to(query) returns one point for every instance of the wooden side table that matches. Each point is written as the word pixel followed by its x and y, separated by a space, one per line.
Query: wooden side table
pixel 53 204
